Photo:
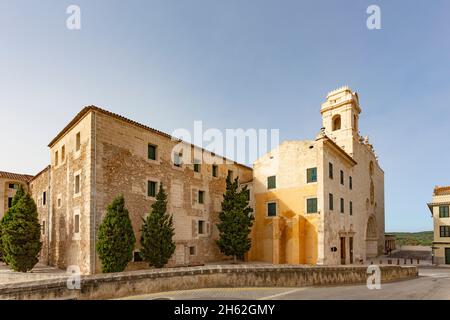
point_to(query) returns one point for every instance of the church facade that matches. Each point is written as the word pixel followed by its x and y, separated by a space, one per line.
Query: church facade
pixel 321 201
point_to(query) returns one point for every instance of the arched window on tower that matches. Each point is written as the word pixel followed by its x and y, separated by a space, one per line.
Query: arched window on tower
pixel 336 122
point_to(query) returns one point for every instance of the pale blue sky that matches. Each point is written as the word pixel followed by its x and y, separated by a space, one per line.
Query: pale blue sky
pixel 231 64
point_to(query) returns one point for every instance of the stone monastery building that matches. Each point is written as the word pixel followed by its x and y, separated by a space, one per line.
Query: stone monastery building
pixel 316 201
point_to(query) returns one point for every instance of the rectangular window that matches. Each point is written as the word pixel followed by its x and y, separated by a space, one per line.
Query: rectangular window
pixel 201 227
pixel 151 188
pixel 151 153
pixel 342 205
pixel 44 198
pixel 59 202
pixel 350 183
pixel 192 251
pixel 215 170
pixel 351 207
pixel 311 205
pixel 330 170
pixel 10 199
pixel 311 175
pixel 76 227
pixel 63 153
pixel 230 175
pixel 77 184
pixel 56 158
pixel 330 201
pixel 342 177
pixel 201 197
pixel 445 231
pixel 137 257
pixel 43 226
pixel 13 186
pixel 443 212
pixel 177 159
pixel 271 182
pixel 271 209
pixel 196 166
pixel 78 142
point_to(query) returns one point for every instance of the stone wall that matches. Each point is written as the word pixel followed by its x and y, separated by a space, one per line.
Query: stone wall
pixel 116 285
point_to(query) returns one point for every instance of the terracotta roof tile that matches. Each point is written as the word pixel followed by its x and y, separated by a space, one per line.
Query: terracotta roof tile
pixel 15 176
pixel 440 191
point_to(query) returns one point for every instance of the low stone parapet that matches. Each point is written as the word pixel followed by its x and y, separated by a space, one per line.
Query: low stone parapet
pixel 116 285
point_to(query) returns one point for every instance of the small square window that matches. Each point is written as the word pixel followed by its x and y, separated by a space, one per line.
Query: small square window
pixel 192 251
pixel 151 152
pixel 137 257
pixel 78 142
pixel 151 188
pixel 271 182
pixel 271 209
pixel 311 205
pixel 311 175
pixel 443 211
pixel 201 197
pixel 215 170
pixel 196 166
pixel 444 231
pixel 201 227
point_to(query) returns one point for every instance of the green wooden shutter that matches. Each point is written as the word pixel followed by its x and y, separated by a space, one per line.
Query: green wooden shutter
pixel 151 152
pixel 271 182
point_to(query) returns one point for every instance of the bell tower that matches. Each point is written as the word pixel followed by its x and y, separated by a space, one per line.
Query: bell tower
pixel 340 116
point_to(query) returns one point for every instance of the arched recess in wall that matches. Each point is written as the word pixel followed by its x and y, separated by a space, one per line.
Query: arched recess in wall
pixel 336 122
pixel 371 228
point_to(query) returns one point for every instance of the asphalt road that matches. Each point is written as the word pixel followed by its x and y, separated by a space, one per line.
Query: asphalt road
pixel 432 283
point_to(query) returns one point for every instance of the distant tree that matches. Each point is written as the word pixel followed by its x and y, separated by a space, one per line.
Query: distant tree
pixel 157 233
pixel 21 233
pixel 116 238
pixel 236 221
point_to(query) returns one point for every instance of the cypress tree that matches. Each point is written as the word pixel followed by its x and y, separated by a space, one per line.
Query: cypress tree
pixel 236 221
pixel 116 238
pixel 157 233
pixel 20 233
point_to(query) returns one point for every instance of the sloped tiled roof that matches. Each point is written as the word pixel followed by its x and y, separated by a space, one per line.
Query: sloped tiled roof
pixel 440 191
pixel 87 109
pixel 15 176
